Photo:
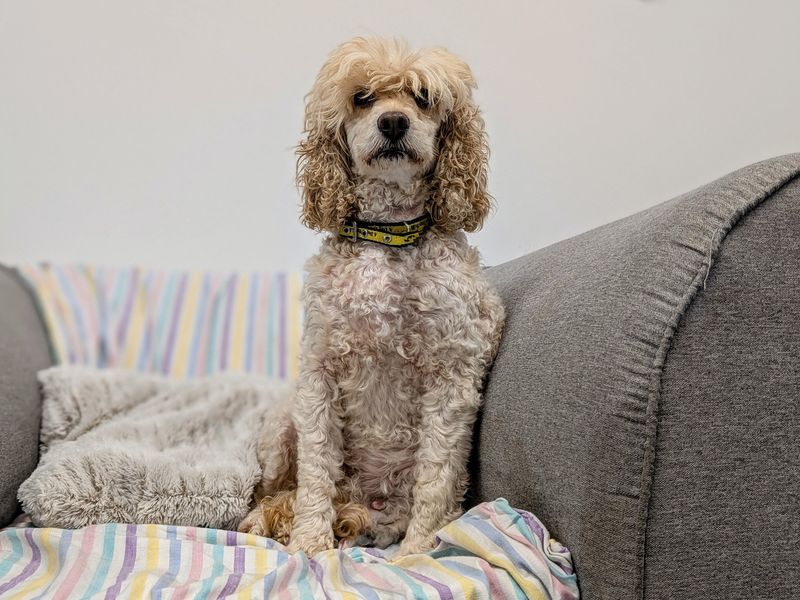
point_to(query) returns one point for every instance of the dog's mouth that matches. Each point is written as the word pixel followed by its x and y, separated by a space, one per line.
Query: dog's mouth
pixel 394 152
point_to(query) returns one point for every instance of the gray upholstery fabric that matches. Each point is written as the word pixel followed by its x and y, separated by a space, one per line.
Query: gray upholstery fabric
pixel 726 490
pixel 571 422
pixel 23 351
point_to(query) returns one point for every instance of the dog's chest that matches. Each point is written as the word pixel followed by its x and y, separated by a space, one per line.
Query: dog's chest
pixel 376 298
pixel 378 333
pixel 388 316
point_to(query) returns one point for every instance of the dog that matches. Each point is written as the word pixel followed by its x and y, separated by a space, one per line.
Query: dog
pixel 401 324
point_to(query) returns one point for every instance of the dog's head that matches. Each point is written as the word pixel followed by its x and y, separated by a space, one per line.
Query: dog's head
pixel 379 110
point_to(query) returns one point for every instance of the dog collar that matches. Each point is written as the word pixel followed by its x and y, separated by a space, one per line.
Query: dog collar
pixel 404 233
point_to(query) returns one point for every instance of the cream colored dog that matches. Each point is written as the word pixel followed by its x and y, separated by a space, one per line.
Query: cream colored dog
pixel 398 335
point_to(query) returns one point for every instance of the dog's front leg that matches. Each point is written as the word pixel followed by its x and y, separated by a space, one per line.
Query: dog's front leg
pixel 319 460
pixel 449 410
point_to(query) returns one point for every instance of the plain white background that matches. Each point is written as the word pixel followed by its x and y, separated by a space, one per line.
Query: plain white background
pixel 161 132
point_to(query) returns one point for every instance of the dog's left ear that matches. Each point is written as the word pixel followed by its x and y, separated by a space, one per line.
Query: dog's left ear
pixel 459 198
pixel 323 175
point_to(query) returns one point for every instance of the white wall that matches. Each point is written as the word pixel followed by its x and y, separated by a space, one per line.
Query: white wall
pixel 160 132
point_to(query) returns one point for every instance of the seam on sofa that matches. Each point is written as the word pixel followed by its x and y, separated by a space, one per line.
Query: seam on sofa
pixel 659 359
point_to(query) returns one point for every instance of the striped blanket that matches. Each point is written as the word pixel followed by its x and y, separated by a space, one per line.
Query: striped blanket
pixel 492 551
pixel 180 323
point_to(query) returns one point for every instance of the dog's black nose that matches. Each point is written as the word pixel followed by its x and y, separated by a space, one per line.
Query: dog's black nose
pixel 393 125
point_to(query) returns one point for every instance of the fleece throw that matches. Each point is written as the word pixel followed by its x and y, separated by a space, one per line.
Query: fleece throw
pixel 126 447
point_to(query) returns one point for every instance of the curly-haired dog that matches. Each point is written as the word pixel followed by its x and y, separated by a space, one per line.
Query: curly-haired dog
pixel 401 324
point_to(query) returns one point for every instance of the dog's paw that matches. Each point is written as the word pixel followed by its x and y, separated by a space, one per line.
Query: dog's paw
pixel 253 522
pixel 311 545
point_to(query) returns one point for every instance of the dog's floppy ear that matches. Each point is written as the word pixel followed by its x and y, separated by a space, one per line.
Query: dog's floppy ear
pixel 323 175
pixel 459 198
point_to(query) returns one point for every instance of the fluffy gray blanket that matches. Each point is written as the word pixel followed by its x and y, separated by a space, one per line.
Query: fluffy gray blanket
pixel 125 447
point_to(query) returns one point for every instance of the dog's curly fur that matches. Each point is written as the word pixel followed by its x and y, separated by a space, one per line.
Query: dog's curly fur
pixel 374 443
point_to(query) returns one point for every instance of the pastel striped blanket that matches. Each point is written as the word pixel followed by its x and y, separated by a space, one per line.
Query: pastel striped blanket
pixel 492 551
pixel 180 323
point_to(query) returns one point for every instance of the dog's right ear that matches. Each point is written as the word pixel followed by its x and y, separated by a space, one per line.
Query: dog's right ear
pixel 323 175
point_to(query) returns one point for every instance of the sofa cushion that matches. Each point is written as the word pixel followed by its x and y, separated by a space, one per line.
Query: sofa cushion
pixel 23 351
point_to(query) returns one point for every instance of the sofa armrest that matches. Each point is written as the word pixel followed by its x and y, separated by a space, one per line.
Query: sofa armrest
pixel 24 350
pixel 644 401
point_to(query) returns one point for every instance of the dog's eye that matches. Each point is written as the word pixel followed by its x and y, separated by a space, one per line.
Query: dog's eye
pixel 363 99
pixel 422 99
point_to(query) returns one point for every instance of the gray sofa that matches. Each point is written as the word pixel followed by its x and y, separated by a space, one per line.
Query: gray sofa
pixel 645 402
